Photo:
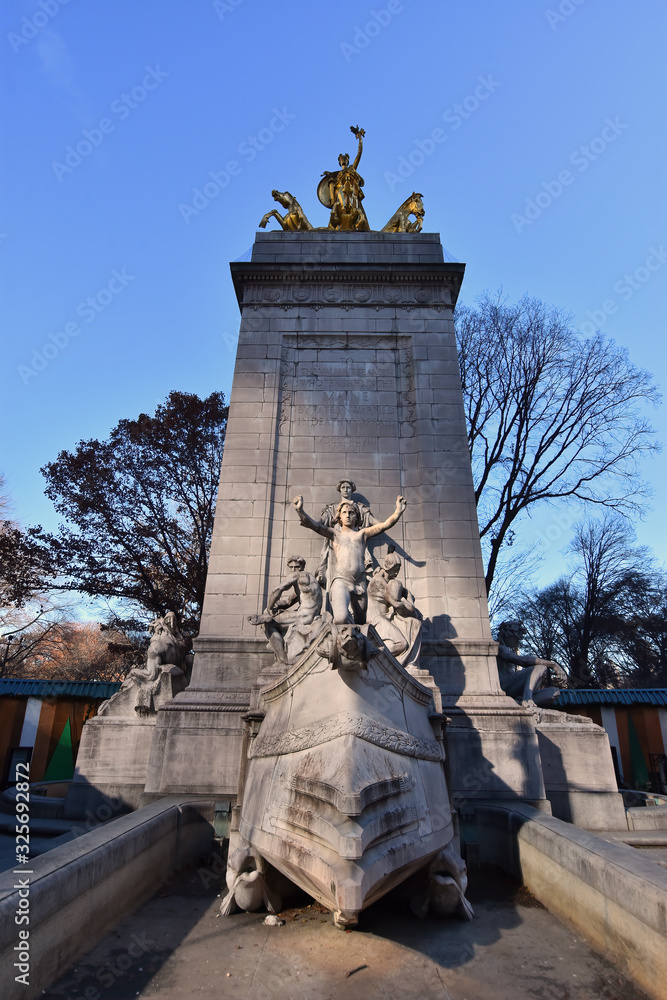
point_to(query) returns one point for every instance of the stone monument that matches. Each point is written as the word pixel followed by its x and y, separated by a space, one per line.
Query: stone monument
pixel 342 786
pixel 346 394
pixel 347 370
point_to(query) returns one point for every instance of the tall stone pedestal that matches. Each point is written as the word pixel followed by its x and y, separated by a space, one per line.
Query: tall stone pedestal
pixel 347 367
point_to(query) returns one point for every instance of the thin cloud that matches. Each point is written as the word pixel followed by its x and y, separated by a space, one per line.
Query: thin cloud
pixel 58 69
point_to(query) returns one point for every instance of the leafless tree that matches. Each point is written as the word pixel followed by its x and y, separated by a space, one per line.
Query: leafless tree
pixel 31 630
pixel 513 579
pixel 551 416
pixel 606 622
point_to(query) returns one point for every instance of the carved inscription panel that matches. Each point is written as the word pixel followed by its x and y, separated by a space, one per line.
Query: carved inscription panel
pixel 347 392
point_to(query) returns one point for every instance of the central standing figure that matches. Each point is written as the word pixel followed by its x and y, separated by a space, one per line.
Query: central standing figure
pixel 347 588
pixel 342 191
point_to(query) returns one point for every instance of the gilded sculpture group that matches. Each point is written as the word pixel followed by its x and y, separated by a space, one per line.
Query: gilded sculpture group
pixel 341 191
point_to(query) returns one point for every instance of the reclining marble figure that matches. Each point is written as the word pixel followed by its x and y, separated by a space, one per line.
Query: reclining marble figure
pixel 392 611
pixel 521 676
pixel 292 610
pixel 165 674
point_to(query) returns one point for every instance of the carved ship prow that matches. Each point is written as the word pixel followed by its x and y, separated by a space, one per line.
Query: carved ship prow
pixel 345 790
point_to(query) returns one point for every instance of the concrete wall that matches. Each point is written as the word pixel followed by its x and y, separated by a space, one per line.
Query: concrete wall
pixel 609 893
pixel 79 891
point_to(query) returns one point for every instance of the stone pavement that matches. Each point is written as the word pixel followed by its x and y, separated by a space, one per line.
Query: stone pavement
pixel 176 947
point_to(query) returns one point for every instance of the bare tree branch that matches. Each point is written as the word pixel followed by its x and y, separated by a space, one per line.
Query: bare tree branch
pixel 550 416
pixel 606 623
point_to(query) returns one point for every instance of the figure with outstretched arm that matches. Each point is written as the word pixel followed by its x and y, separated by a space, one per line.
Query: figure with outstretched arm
pixel 346 487
pixel 359 134
pixel 342 191
pixel 347 588
pixel 521 676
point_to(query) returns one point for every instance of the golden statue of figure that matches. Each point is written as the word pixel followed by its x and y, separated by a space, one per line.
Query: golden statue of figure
pixel 341 191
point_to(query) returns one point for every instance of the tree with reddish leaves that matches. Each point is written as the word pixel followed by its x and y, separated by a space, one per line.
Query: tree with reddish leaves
pixel 24 565
pixel 81 651
pixel 29 619
pixel 139 510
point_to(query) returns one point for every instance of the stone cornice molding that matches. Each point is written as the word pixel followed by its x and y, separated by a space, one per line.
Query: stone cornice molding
pixel 205 706
pixel 409 286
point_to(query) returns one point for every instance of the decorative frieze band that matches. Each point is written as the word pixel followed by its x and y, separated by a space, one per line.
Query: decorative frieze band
pixel 332 290
pixel 204 706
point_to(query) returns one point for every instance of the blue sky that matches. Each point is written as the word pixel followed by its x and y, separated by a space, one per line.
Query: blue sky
pixel 160 97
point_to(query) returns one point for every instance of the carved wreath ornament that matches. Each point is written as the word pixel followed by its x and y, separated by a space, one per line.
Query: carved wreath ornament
pixel 346 724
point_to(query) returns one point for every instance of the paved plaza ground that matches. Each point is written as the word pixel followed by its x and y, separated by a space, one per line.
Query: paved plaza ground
pixel 177 947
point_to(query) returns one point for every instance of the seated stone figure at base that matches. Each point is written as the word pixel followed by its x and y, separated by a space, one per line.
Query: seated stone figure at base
pixel 165 673
pixel 348 587
pixel 292 607
pixel 391 609
pixel 521 676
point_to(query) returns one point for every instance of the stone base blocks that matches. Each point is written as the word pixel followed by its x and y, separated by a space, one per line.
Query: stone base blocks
pixel 198 736
pixel 111 765
pixel 579 777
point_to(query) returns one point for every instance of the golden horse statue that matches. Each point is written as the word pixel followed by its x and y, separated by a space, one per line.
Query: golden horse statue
pixel 294 220
pixel 400 220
